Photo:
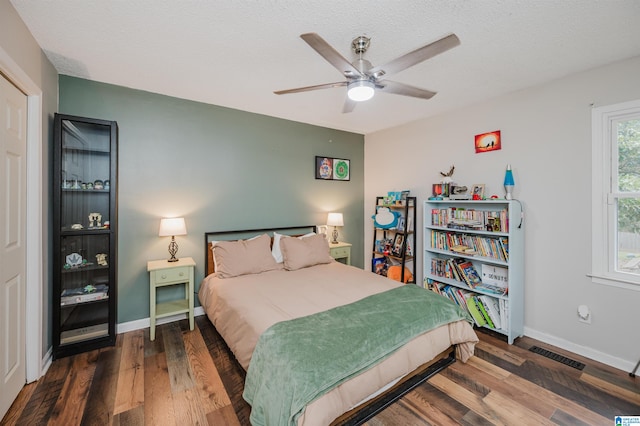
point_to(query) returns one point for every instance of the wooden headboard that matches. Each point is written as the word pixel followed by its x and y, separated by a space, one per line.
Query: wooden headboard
pixel 211 236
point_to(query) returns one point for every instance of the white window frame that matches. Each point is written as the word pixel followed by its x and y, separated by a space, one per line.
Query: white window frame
pixel 605 194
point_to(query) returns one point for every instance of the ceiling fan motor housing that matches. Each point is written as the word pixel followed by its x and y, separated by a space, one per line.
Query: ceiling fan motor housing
pixel 360 44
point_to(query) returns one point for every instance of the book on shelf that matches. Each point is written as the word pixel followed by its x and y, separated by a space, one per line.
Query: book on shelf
pixel 472 219
pixel 410 224
pixel 491 289
pixel 469 274
pixel 483 309
pixel 409 244
pixel 401 223
pixel 462 249
pixel 378 265
pixel 474 310
pixel 84 333
pixel 504 313
pixel 504 247
pixel 89 293
pixel 433 285
pixel 492 308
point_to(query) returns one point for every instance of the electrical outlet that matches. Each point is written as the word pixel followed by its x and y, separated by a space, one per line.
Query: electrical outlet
pixel 584 314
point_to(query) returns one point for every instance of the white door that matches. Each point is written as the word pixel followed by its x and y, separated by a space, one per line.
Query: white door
pixel 13 152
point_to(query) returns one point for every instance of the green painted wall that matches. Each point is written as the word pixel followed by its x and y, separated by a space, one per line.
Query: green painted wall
pixel 222 169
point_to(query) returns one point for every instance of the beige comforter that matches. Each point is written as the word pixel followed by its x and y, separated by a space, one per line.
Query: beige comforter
pixel 241 308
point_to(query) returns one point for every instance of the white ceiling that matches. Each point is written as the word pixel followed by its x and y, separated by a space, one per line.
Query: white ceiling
pixel 235 53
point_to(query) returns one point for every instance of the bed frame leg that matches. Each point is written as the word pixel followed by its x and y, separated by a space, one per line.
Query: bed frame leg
pixel 386 399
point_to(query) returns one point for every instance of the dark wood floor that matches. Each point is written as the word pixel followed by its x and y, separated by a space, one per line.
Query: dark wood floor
pixel 189 378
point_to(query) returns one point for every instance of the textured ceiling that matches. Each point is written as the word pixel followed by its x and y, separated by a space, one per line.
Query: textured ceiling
pixel 235 53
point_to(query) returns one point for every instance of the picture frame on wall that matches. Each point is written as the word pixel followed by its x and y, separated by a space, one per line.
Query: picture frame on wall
pixel 341 169
pixel 328 168
pixel 324 168
pixel 487 142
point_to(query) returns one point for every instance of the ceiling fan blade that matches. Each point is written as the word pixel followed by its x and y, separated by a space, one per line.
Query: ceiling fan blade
pixel 330 54
pixel 404 89
pixel 349 105
pixel 309 88
pixel 415 57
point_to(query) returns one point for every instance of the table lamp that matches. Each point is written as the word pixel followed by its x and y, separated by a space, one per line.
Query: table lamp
pixel 170 227
pixel 508 183
pixel 335 220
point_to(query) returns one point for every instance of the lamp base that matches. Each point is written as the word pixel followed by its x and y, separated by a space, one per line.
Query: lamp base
pixel 334 236
pixel 508 190
pixel 173 250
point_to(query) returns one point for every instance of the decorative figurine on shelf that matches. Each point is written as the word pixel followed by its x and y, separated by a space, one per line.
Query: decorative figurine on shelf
pixel 447 176
pixel 95 220
pixel 442 190
pixel 73 260
pixel 101 258
pixel 98 184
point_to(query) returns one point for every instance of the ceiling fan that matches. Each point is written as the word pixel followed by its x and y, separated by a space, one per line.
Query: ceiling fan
pixel 363 79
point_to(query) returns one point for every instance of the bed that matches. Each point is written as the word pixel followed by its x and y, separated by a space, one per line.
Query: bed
pixel 259 283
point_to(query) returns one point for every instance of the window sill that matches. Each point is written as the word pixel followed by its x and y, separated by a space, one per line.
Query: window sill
pixel 614 282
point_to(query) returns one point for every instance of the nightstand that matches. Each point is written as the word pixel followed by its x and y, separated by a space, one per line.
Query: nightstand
pixel 341 252
pixel 164 273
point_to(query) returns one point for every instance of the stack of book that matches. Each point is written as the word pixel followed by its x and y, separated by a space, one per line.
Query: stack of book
pixel 458 269
pixel 461 218
pixel 88 293
pixel 486 311
pixel 495 248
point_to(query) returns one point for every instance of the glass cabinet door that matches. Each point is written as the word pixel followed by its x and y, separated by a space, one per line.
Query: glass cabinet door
pixel 84 228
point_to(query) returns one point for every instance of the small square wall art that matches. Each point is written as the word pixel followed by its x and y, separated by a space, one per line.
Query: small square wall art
pixel 488 142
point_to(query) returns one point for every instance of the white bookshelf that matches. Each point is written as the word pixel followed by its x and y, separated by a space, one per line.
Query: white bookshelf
pixel 437 250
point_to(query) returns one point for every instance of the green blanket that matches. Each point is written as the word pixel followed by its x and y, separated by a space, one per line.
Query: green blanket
pixel 299 360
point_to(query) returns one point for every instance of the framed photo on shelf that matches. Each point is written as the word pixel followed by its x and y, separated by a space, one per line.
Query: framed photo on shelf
pixel 398 243
pixel 323 229
pixel 477 191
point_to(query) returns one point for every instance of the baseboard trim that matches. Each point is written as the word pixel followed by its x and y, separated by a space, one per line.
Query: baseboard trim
pixel 45 363
pixel 146 322
pixel 585 351
pixel 140 324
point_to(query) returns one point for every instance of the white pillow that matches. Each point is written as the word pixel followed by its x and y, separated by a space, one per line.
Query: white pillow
pixel 276 250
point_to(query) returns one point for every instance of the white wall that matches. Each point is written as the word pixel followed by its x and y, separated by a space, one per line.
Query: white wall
pixel 546 137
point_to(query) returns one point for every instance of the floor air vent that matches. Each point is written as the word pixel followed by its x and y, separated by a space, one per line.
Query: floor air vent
pixel 557 357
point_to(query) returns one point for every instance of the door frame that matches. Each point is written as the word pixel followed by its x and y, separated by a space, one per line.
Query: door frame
pixel 34 235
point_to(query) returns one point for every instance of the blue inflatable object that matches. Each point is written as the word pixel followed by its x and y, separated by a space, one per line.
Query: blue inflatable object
pixel 385 218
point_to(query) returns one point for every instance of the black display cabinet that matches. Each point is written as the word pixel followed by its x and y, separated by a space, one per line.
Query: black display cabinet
pixel 84 234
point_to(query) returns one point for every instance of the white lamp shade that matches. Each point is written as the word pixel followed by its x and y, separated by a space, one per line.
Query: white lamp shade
pixel 172 226
pixel 335 219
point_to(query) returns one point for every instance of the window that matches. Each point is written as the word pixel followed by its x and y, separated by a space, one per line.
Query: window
pixel 616 195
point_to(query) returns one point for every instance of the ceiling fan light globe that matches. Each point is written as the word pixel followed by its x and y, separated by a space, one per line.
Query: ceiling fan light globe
pixel 360 91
